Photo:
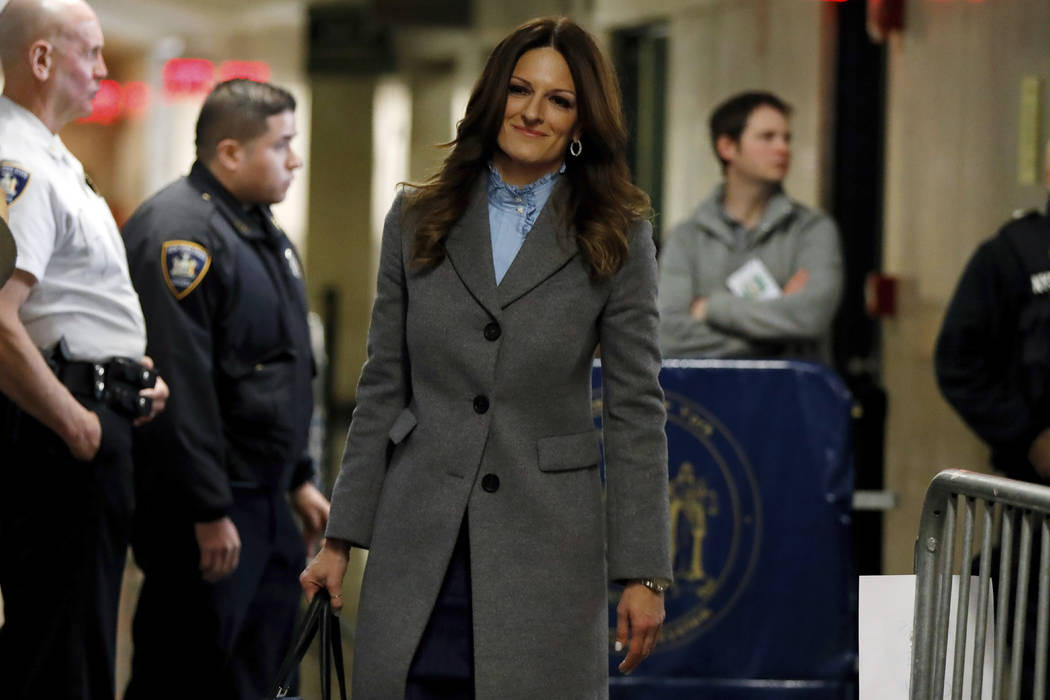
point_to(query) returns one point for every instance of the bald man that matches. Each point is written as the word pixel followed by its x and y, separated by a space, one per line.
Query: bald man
pixel 72 372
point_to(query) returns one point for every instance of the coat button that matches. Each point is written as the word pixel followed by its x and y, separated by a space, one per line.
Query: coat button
pixel 492 331
pixel 490 482
pixel 481 404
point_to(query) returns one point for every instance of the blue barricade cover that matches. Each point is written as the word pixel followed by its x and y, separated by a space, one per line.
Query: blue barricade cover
pixel 764 603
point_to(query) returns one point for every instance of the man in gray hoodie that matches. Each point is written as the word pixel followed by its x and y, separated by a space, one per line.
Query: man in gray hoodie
pixel 751 273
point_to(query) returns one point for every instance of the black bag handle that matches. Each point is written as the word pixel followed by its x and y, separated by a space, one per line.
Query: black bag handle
pixel 319 616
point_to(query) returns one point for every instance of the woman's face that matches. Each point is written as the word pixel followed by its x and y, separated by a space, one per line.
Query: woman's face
pixel 540 117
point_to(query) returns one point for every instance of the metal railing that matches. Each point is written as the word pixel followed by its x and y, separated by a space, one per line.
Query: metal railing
pixel 1011 512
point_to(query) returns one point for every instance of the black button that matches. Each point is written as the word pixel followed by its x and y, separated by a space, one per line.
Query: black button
pixel 492 331
pixel 481 404
pixel 490 482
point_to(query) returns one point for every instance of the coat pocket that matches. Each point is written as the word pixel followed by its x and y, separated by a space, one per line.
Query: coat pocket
pixel 402 426
pixel 259 419
pixel 566 452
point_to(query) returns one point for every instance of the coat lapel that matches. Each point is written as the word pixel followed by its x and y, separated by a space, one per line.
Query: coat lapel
pixel 547 248
pixel 469 249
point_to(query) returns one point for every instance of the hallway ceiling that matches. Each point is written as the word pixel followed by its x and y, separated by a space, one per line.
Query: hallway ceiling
pixel 147 21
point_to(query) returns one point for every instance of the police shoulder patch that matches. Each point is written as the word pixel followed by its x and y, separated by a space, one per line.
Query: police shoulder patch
pixel 184 264
pixel 13 179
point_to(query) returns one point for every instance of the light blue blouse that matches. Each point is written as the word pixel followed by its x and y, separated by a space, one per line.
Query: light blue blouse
pixel 512 213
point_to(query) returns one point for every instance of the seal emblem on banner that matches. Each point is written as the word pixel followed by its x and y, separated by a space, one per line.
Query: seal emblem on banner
pixel 716 521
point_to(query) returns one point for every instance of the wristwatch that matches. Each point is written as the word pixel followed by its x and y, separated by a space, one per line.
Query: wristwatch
pixel 656 585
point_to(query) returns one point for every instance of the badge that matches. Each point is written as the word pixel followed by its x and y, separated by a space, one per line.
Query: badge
pixel 13 180
pixel 184 263
pixel 293 263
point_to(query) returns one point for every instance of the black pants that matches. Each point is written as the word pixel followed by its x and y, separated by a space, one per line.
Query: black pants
pixel 64 528
pixel 443 665
pixel 222 640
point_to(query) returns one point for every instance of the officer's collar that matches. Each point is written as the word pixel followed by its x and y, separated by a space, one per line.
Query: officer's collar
pixel 242 219
pixel 34 125
pixel 36 131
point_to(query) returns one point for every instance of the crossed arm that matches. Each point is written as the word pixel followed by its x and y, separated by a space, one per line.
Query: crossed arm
pixel 719 324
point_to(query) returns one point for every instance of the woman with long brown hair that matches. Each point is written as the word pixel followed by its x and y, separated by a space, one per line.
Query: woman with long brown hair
pixel 471 467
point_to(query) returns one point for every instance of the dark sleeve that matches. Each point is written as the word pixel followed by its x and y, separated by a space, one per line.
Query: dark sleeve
pixel 186 443
pixel 975 354
pixel 303 472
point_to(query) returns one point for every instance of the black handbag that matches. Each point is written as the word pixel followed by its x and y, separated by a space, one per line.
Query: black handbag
pixel 319 617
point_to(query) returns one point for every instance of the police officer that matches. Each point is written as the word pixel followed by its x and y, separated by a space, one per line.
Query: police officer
pixel 65 429
pixel 993 352
pixel 223 294
pixel 993 360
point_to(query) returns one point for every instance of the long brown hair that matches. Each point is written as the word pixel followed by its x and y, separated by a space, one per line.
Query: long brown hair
pixel 602 201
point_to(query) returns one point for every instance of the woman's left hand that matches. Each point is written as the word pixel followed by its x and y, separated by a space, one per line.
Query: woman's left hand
pixel 639 616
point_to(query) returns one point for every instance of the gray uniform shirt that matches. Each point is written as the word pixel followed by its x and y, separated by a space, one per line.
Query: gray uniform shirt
pixel 703 251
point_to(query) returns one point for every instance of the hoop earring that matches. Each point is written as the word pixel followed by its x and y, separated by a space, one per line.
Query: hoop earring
pixel 575 148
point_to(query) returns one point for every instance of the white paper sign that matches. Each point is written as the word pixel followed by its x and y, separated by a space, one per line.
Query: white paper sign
pixel 886 608
pixel 752 280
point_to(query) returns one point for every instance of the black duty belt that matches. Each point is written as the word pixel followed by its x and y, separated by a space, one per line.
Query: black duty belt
pixel 117 382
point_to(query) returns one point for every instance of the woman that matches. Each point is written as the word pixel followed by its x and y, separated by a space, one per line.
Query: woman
pixel 470 470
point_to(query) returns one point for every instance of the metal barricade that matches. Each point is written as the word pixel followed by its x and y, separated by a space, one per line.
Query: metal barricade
pixel 1012 513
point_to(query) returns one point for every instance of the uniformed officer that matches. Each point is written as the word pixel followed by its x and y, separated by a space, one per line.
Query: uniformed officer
pixel 993 352
pixel 66 413
pixel 225 304
pixel 993 359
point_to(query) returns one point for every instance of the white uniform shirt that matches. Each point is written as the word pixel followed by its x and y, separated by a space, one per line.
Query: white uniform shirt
pixel 68 241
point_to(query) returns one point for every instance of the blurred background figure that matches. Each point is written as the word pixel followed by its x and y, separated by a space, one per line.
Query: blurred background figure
pixel 993 362
pixel 223 293
pixel 751 273
pixel 993 351
pixel 72 339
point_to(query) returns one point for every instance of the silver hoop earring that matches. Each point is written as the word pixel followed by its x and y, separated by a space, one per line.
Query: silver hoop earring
pixel 575 148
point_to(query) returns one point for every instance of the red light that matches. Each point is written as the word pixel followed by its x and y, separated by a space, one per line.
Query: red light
pixel 105 108
pixel 188 77
pixel 252 70
pixel 137 99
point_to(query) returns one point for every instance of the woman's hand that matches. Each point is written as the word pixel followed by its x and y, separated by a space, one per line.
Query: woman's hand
pixel 326 570
pixel 640 613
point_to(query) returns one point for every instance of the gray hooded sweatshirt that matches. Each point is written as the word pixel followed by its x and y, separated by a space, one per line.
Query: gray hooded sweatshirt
pixel 703 251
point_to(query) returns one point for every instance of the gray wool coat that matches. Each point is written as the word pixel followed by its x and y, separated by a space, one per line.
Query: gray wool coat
pixel 465 379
